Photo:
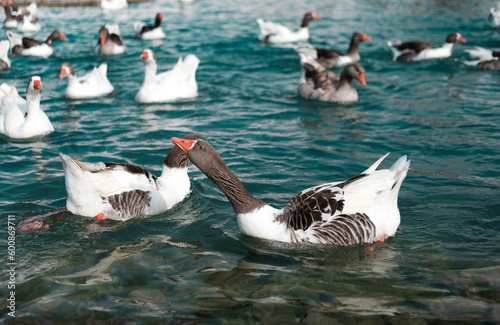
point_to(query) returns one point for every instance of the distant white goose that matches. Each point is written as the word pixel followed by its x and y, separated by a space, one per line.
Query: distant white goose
pixel 177 83
pixel 486 59
pixel 4 55
pixel 114 4
pixel 27 46
pixel 21 122
pixel 93 84
pixel 122 191
pixel 30 23
pixel 148 32
pixel 416 51
pixel 494 16
pixel 275 33
pixel 362 209
pixel 110 42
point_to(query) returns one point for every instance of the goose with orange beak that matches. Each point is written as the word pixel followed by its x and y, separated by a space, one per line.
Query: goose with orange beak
pixel 320 84
pixel 361 210
pixel 110 42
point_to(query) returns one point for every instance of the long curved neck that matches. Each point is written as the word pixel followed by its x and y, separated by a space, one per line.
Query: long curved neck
pixel 150 72
pixel 345 80
pixel 242 201
pixel 157 22
pixel 33 103
pixel 353 47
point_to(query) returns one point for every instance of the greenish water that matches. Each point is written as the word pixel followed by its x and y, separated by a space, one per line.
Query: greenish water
pixel 191 264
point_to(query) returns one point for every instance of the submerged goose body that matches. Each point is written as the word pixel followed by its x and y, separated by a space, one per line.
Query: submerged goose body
pixel 148 32
pixel 174 84
pixel 362 209
pixel 30 47
pixel 332 58
pixel 416 51
pixel 110 42
pixel 275 33
pixel 320 84
pixel 486 59
pixel 21 119
pixel 93 84
pixel 122 191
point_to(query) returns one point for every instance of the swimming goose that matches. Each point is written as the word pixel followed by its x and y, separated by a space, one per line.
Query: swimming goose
pixel 22 121
pixel 416 51
pixel 122 191
pixel 494 16
pixel 362 209
pixel 486 59
pixel 321 84
pixel 114 4
pixel 11 20
pixel 4 55
pixel 110 41
pixel 332 58
pixel 27 46
pixel 148 32
pixel 29 24
pixel 276 33
pixel 93 84
pixel 177 83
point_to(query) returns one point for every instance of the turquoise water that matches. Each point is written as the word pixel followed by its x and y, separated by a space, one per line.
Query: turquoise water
pixel 191 264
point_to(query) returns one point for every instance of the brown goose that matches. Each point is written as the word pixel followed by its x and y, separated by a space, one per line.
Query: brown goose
pixel 321 84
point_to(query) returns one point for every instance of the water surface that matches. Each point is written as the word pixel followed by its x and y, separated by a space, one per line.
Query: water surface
pixel 191 264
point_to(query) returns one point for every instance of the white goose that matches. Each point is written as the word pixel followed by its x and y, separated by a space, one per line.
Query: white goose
pixel 30 24
pixel 362 209
pixel 21 122
pixel 114 4
pixel 494 16
pixel 4 55
pixel 93 84
pixel 177 83
pixel 122 191
pixel 416 51
pixel 275 33
pixel 149 32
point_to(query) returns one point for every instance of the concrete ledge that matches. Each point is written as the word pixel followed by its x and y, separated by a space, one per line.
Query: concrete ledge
pixel 68 3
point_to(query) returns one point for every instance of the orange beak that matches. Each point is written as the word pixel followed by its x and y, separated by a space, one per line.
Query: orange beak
pixel 145 55
pixel 161 17
pixel 361 79
pixel 316 17
pixel 366 38
pixel 63 37
pixel 62 74
pixel 102 40
pixel 183 144
pixel 37 85
pixel 461 39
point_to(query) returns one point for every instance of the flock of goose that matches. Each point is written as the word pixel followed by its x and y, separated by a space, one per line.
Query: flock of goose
pixel 17 115
pixel 362 209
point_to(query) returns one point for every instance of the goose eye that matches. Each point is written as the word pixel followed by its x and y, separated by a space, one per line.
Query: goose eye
pixel 201 147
